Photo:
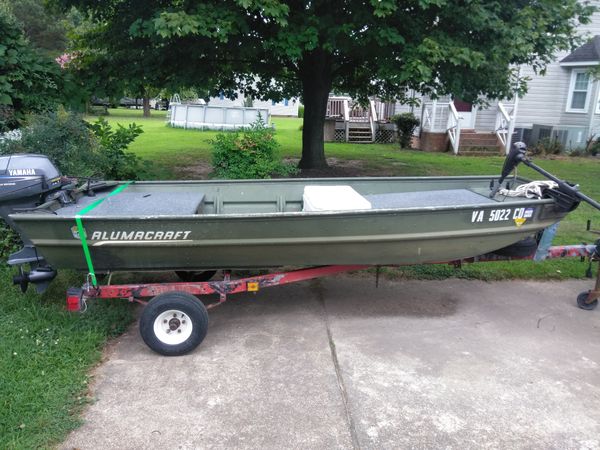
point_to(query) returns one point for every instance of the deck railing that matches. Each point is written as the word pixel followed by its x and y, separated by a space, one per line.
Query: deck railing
pixel 505 124
pixel 434 116
pixel 353 113
pixel 453 127
pixel 337 107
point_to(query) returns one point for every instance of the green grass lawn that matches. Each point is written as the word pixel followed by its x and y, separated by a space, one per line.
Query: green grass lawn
pixel 45 357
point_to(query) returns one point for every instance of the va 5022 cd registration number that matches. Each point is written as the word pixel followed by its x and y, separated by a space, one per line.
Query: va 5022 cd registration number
pixel 500 215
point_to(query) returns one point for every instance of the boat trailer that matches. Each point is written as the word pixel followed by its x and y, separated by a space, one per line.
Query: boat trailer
pixel 175 321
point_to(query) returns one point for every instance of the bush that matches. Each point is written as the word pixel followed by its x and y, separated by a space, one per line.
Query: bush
pixel 77 148
pixel 406 124
pixel 594 148
pixel 248 154
pixel 9 241
pixel 547 146
pixel 119 164
pixel 301 112
pixel 65 139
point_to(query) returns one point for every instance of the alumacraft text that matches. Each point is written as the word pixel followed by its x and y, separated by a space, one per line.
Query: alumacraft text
pixel 140 235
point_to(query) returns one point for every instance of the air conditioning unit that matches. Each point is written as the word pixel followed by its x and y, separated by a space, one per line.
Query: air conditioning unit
pixel 540 132
pixel 571 137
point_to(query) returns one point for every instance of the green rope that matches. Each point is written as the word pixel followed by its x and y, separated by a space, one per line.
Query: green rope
pixel 81 230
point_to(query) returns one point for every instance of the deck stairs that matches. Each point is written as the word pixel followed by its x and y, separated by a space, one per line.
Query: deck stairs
pixel 360 132
pixel 476 143
pixel 360 120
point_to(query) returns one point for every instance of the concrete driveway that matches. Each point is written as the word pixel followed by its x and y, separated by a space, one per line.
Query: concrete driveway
pixel 337 363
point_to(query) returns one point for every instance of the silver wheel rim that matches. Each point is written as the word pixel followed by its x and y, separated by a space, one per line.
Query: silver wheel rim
pixel 173 327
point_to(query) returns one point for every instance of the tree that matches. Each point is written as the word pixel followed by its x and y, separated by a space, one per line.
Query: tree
pixel 275 49
pixel 30 82
pixel 44 29
pixel 111 62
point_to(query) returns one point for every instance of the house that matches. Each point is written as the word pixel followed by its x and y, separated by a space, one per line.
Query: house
pixel 562 105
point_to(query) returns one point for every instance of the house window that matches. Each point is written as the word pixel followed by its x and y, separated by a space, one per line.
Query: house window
pixel 579 91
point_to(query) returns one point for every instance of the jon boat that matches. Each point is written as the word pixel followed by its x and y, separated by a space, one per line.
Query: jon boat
pixel 201 225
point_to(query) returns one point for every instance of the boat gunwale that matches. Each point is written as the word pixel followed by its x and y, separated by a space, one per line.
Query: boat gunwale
pixel 312 180
pixel 42 214
pixel 35 216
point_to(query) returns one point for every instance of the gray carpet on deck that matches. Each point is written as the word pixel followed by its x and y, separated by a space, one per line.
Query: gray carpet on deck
pixel 139 204
pixel 449 197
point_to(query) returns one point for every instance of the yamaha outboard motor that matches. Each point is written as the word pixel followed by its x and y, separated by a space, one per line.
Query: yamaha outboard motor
pixel 26 181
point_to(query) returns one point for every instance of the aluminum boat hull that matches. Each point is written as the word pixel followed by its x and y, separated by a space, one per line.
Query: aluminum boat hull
pixel 244 224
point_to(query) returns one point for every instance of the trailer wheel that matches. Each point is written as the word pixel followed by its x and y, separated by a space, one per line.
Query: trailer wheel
pixel 174 323
pixel 195 276
pixel 581 301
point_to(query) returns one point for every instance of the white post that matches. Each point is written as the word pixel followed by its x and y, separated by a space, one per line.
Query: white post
pixel 457 135
pixel 513 119
pixel 433 112
pixel 593 107
pixel 346 119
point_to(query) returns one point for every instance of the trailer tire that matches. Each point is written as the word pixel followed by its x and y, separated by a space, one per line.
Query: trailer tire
pixel 174 323
pixel 581 301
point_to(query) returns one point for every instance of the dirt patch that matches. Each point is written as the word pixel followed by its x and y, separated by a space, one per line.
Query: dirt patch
pixel 197 171
pixel 338 168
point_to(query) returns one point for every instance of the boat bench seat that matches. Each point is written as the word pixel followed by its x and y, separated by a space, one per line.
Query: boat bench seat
pixel 140 204
pixel 419 199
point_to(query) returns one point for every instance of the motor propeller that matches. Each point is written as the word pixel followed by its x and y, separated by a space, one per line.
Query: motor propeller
pixel 40 276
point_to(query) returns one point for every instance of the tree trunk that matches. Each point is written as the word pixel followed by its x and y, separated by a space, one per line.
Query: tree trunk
pixel 146 106
pixel 315 75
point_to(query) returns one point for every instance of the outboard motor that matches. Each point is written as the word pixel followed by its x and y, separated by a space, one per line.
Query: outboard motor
pixel 26 181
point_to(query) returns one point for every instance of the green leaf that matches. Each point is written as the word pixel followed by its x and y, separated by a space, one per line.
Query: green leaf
pixel 5 99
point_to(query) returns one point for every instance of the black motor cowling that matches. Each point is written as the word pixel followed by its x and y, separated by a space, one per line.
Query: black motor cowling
pixel 24 180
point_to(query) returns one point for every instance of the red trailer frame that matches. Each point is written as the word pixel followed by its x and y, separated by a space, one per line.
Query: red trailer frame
pixel 76 298
pixel 175 321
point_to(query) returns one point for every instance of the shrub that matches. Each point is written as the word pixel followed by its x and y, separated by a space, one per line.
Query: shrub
pixel 9 241
pixel 78 148
pixel 301 111
pixel 64 138
pixel 248 154
pixel 547 146
pixel 406 124
pixel 594 148
pixel 119 164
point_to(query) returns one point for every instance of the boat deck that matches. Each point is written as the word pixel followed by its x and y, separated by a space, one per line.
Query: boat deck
pixel 150 203
pixel 156 203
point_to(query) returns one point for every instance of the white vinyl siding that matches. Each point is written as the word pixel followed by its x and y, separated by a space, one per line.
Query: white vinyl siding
pixel 579 91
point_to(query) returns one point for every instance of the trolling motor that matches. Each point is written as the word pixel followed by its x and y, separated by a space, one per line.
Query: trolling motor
pixel 567 196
